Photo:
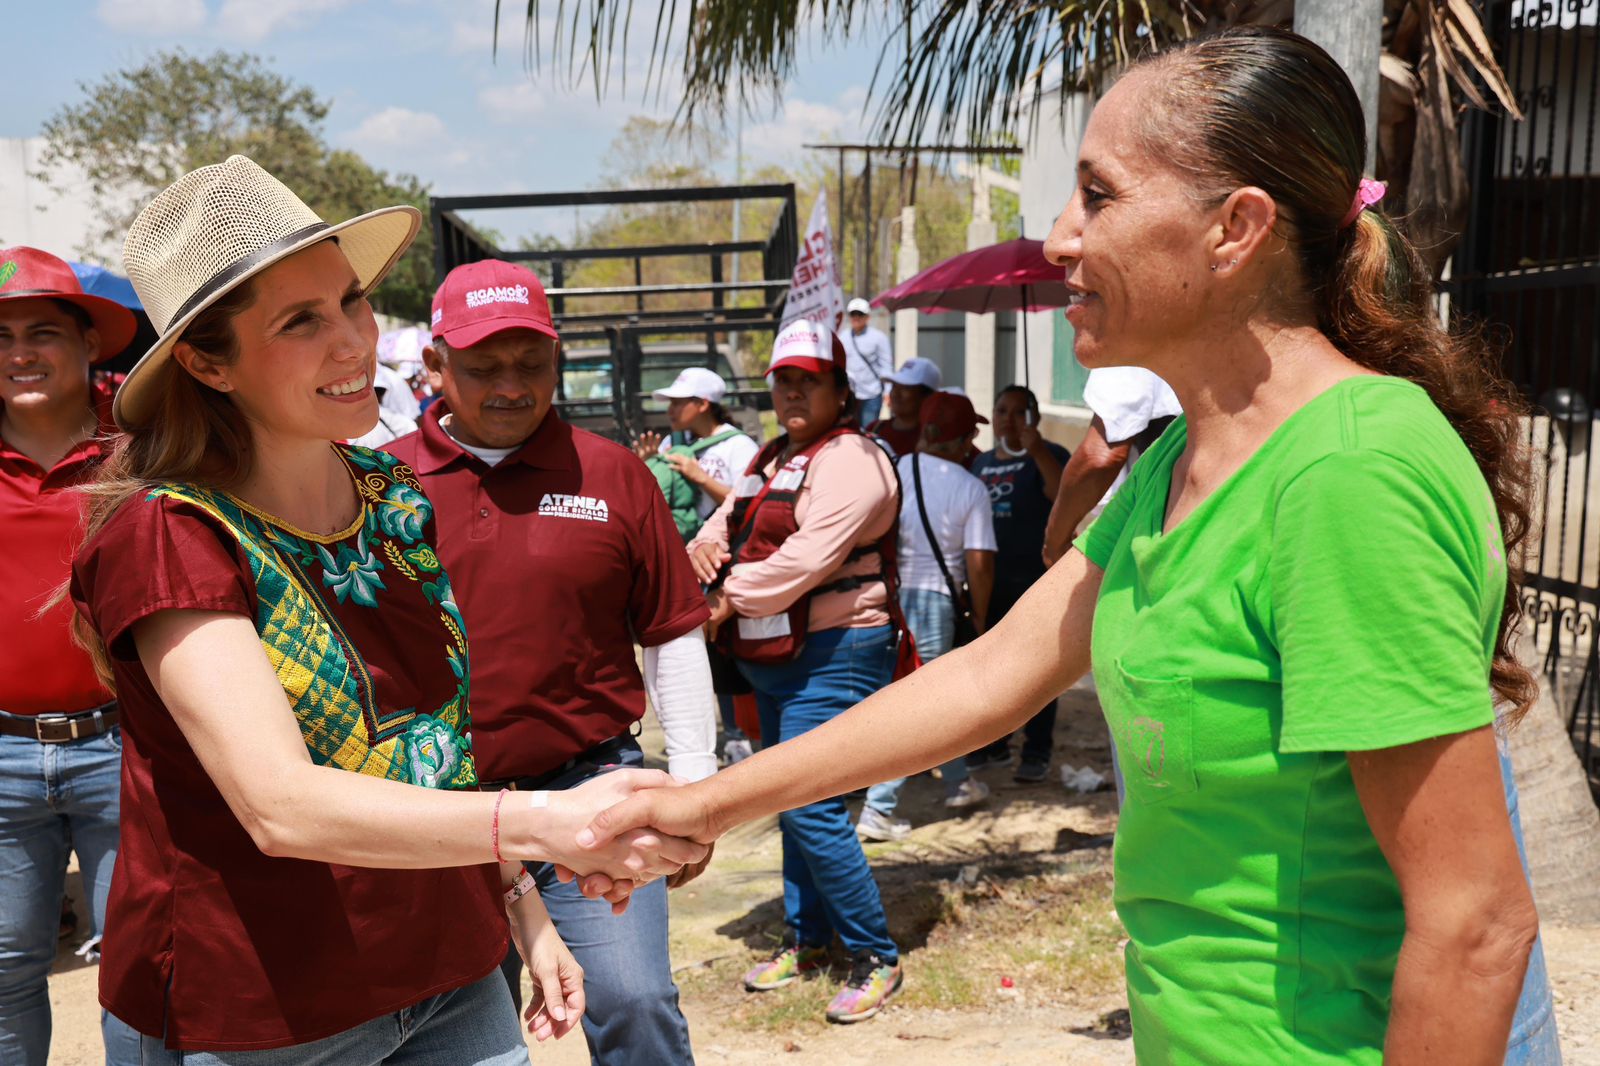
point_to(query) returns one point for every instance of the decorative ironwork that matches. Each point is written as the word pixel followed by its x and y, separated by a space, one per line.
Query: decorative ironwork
pixel 1529 265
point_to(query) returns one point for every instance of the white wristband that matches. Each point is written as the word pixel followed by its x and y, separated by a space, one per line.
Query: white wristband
pixel 520 887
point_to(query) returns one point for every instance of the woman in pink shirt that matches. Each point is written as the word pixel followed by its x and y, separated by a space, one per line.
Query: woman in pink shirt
pixel 800 563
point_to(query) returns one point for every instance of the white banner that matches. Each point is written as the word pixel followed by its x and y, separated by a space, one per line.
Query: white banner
pixel 814 291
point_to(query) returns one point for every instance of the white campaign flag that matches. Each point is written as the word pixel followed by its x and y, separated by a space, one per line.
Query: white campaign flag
pixel 814 291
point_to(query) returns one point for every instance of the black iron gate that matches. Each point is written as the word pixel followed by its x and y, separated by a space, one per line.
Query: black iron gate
pixel 1530 263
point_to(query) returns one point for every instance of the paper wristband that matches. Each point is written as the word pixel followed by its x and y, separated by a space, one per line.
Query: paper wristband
pixel 520 887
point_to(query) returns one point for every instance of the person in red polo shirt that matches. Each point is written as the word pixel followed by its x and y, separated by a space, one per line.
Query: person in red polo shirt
pixel 563 555
pixel 60 748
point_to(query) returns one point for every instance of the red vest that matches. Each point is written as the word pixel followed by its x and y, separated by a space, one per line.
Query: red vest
pixel 761 521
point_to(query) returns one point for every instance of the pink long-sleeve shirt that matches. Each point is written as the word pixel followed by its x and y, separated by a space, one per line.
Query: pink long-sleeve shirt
pixel 848 501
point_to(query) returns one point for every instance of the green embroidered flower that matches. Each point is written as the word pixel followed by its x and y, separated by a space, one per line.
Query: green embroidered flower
pixel 404 512
pixel 354 574
pixel 367 459
pixel 433 752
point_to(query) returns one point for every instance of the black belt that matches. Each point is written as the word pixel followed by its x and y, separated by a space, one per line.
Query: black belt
pixel 602 754
pixel 60 728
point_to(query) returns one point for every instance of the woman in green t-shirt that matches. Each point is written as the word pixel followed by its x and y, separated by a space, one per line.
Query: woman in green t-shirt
pixel 1299 609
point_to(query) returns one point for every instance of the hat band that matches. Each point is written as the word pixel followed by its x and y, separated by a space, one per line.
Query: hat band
pixel 231 273
pixel 39 292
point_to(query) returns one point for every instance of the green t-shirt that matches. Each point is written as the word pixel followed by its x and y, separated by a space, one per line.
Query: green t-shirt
pixel 1341 591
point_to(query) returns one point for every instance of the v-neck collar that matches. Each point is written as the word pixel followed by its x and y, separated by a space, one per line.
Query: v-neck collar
pixel 1156 528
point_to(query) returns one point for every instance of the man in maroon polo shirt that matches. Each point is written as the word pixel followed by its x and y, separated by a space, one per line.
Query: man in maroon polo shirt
pixel 563 555
pixel 60 750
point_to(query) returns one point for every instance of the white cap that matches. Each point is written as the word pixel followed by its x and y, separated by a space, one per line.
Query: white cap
pixel 917 371
pixel 695 382
pixel 805 344
pixel 858 306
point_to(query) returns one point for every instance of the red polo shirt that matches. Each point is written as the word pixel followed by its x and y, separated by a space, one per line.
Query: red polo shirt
pixel 900 441
pixel 41 523
pixel 562 556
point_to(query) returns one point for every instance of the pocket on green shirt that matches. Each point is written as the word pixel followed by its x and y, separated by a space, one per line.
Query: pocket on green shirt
pixel 1154 727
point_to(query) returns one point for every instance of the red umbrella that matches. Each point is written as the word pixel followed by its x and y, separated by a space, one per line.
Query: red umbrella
pixel 1010 276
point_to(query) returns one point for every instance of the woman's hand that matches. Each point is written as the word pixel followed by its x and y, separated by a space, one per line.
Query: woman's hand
pixel 557 1002
pixel 708 560
pixel 646 444
pixel 689 467
pixel 680 813
pixel 640 856
pixel 721 611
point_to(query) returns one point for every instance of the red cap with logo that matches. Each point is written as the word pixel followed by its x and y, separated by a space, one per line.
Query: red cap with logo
pixel 480 299
pixel 27 273
pixel 949 416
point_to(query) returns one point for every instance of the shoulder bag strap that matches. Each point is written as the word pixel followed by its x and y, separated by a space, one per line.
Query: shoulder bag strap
pixel 933 542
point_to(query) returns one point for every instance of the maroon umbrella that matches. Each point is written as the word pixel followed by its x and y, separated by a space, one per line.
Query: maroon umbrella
pixel 1010 276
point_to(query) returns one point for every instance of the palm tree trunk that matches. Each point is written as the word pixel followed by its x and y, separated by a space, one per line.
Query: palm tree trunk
pixel 1559 819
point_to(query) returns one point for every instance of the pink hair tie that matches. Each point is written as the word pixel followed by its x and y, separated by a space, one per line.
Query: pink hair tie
pixel 1368 193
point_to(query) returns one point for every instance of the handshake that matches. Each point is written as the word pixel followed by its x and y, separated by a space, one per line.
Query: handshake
pixel 621 830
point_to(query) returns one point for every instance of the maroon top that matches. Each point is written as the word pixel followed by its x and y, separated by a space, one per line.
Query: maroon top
pixel 562 556
pixel 900 441
pixel 207 939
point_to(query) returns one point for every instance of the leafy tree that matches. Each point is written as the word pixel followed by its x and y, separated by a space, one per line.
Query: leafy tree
pixel 137 130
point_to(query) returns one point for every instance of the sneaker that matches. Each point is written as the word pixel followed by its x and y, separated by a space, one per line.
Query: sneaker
pixel 872 981
pixel 875 825
pixel 786 967
pixel 1030 772
pixel 735 751
pixel 970 793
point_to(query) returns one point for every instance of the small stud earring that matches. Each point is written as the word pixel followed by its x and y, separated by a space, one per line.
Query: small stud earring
pixel 1233 262
pixel 1213 268
pixel 223 386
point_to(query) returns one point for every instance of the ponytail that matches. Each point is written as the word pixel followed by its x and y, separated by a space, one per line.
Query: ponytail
pixel 1378 309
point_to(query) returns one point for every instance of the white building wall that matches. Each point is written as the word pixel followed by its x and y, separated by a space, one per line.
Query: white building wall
pixel 57 216
pixel 1049 176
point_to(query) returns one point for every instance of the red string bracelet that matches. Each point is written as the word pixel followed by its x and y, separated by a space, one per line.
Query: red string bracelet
pixel 494 827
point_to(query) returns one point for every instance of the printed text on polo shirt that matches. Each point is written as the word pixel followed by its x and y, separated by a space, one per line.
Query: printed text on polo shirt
pixel 587 508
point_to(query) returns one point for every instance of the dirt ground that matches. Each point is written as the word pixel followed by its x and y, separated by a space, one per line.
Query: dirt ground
pixel 1012 950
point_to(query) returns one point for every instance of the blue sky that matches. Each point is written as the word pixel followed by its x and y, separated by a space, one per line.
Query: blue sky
pixel 412 83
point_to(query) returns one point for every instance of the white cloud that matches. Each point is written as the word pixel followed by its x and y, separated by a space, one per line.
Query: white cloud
pixel 152 16
pixel 251 21
pixel 516 102
pixel 803 122
pixel 396 127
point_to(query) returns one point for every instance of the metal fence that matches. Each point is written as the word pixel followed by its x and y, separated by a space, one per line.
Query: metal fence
pixel 1529 265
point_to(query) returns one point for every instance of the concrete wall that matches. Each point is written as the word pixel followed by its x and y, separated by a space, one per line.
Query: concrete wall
pixel 55 216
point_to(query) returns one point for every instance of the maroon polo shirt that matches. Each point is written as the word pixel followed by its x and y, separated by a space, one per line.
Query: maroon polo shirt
pixel 561 557
pixel 900 441
pixel 41 522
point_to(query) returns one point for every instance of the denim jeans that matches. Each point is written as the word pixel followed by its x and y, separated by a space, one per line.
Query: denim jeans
pixel 1038 735
pixel 54 799
pixel 931 617
pixel 868 410
pixel 470 1026
pixel 827 884
pixel 1534 1040
pixel 632 1013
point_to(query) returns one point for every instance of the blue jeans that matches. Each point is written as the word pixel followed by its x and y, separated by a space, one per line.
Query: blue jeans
pixel 1533 1029
pixel 470 1026
pixel 632 1013
pixel 1038 735
pixel 869 410
pixel 54 799
pixel 931 616
pixel 827 884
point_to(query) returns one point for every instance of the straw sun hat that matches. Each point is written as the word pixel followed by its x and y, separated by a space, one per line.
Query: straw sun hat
pixel 217 227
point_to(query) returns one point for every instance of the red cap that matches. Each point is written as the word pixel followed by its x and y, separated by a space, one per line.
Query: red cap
pixel 28 273
pixel 805 344
pixel 949 416
pixel 481 299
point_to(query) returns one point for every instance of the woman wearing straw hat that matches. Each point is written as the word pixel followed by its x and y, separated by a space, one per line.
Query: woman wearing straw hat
pixel 306 863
